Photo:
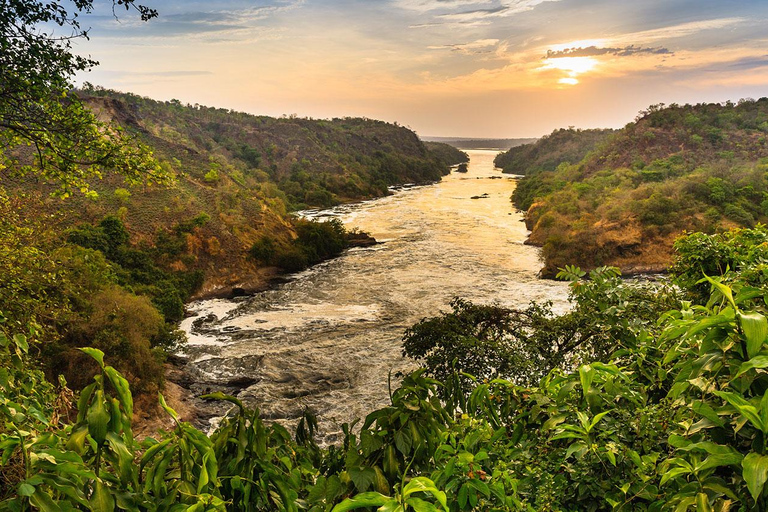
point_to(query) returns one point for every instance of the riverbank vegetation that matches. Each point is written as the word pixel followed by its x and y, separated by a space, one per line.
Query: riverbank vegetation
pixel 660 406
pixel 677 168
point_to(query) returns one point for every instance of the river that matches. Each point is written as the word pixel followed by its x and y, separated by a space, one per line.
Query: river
pixel 328 338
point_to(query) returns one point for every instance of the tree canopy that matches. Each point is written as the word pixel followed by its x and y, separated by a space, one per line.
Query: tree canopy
pixel 46 132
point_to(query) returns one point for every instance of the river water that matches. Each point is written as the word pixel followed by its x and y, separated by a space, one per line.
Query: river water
pixel 328 338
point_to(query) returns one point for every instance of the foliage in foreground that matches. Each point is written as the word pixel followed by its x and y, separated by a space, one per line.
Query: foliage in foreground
pixel 675 419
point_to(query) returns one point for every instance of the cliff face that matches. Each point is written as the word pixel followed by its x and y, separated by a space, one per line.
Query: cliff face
pixel 680 168
pixel 243 174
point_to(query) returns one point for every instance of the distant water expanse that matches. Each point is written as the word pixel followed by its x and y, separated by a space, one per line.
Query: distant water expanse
pixel 467 143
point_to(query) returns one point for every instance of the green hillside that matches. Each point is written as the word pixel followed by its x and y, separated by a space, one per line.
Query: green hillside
pixel 684 167
pixel 545 154
pixel 447 153
pixel 244 173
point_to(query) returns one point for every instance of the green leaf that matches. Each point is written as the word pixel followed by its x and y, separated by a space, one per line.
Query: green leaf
pixel 26 490
pixel 724 290
pixel 717 460
pixel 76 441
pixel 755 327
pixel 362 477
pixel 173 414
pixel 755 362
pixel 755 471
pixel 218 395
pixel 122 388
pixel 95 353
pixel 366 499
pixel 586 375
pixel 102 500
pixel 420 505
pixel 423 484
pixel 98 418
pixel 746 409
pixel 43 501
pixel 702 503
pixel 403 442
pixel 21 341
pixel 552 422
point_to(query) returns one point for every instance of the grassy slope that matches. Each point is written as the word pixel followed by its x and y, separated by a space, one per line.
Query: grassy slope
pixel 246 173
pixel 692 167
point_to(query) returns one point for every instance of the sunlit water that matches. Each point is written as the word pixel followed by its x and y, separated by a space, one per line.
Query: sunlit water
pixel 328 339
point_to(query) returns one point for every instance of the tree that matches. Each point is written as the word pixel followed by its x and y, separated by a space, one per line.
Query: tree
pixel 46 132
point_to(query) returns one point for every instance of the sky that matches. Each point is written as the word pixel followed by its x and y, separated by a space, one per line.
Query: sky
pixel 465 68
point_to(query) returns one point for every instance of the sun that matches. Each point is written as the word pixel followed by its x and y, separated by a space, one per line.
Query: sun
pixel 574 66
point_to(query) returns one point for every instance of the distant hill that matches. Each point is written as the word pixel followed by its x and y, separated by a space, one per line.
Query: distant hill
pixel 447 153
pixel 471 143
pixel 563 145
pixel 683 167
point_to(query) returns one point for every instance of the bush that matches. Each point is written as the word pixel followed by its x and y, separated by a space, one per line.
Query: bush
pixel 211 176
pixel 291 258
pixel 264 249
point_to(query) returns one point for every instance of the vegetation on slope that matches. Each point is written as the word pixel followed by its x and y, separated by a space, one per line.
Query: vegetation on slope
pixel 690 167
pixel 563 145
pixel 447 153
pixel 668 414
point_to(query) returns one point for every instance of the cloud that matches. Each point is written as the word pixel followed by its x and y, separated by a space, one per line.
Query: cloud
pixel 675 31
pixel 749 63
pixel 594 51
pixel 467 12
pixel 473 48
pixel 215 25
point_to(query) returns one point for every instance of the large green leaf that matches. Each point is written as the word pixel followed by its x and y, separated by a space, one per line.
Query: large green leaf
pixel 102 500
pixel 122 388
pixel 366 499
pixel 755 327
pixel 98 418
pixel 43 501
pixel 723 289
pixel 586 375
pixel 745 408
pixel 420 505
pixel 95 353
pixel 755 471
pixel 422 484
pixel 754 363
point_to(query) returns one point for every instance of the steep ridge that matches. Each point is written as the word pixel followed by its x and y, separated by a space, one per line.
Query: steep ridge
pixel 678 168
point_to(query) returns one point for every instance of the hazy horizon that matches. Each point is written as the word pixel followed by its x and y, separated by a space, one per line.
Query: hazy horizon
pixel 445 68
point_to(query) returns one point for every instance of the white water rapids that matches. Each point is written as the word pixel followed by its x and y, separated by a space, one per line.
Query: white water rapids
pixel 328 338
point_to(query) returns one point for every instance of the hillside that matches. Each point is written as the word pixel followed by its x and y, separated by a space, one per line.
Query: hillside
pixel 674 169
pixel 243 173
pixel 447 153
pixel 545 154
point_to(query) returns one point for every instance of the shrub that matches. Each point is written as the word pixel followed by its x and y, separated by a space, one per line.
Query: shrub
pixel 264 249
pixel 211 176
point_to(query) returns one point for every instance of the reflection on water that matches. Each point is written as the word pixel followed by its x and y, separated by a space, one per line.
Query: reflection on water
pixel 328 339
